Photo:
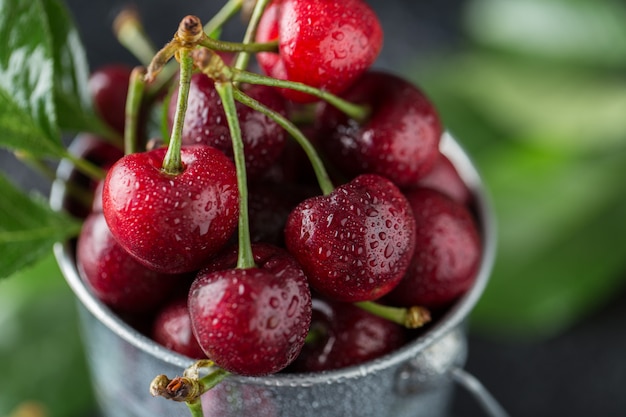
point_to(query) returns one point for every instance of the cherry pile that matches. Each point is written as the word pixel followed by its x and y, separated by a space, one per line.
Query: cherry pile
pixel 293 213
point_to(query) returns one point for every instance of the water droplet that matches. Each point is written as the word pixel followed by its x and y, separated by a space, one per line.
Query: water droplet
pixel 389 250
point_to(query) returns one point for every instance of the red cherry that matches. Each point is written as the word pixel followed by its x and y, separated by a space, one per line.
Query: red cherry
pixel 251 321
pixel 445 178
pixel 172 329
pixel 108 86
pixel 206 123
pixel 326 44
pixel 172 223
pixel 114 276
pixel 346 335
pixel 356 243
pixel 447 252
pixel 399 140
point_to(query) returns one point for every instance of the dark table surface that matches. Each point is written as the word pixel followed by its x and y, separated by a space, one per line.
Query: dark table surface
pixel 580 373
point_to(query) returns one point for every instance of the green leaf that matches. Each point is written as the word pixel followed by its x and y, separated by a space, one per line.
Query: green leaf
pixel 27 109
pixel 41 354
pixel 549 106
pixel 562 239
pixel 589 32
pixel 28 228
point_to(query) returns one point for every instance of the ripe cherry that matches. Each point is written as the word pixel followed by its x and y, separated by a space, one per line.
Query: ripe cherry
pixel 206 123
pixel 251 321
pixel 399 140
pixel 324 43
pixel 114 276
pixel 343 334
pixel 356 243
pixel 445 178
pixel 108 86
pixel 172 329
pixel 447 252
pixel 172 223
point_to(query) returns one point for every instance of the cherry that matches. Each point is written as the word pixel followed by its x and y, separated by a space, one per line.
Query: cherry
pixel 172 329
pixel 172 223
pixel 251 321
pixel 447 252
pixel 114 276
pixel 445 178
pixel 206 123
pixel 399 140
pixel 355 243
pixel 108 86
pixel 343 334
pixel 326 44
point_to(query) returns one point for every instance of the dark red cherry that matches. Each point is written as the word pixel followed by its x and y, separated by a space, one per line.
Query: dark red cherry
pixel 399 140
pixel 172 223
pixel 205 123
pixel 445 178
pixel 343 334
pixel 447 252
pixel 251 321
pixel 114 276
pixel 356 243
pixel 108 86
pixel 172 329
pixel 326 44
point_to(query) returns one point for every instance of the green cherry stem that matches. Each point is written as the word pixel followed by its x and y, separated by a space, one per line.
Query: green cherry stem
pixel 130 32
pixel 411 318
pixel 172 163
pixel 195 408
pixel 226 92
pixel 243 58
pixel 134 99
pixel 321 174
pixel 354 111
pixel 225 46
pixel 222 16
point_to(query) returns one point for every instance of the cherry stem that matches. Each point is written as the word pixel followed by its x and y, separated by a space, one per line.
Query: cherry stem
pixel 243 58
pixel 224 46
pixel 245 258
pixel 357 112
pixel 411 318
pixel 321 174
pixel 195 408
pixel 134 99
pixel 189 387
pixel 217 21
pixel 91 170
pixel 130 32
pixel 172 163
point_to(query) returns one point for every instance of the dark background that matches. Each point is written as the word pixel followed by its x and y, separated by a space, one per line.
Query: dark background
pixel 579 372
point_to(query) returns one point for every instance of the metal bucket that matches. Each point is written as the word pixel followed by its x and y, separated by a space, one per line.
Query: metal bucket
pixel 416 380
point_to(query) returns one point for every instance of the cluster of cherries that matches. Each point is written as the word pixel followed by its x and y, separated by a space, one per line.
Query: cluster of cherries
pixel 254 253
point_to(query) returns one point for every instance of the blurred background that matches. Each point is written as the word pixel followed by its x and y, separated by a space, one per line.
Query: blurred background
pixel 536 93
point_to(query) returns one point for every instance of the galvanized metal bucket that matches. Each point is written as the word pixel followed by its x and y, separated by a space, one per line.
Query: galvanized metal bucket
pixel 416 380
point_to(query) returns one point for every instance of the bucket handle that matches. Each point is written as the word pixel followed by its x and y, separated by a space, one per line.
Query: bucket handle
pixel 488 403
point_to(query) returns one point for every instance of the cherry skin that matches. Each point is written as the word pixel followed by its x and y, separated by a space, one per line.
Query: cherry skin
pixel 399 140
pixel 172 329
pixel 206 123
pixel 325 44
pixel 356 243
pixel 345 335
pixel 445 178
pixel 251 321
pixel 447 252
pixel 108 87
pixel 114 276
pixel 172 223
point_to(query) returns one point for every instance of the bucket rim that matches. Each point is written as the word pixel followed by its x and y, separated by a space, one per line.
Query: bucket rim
pixel 449 321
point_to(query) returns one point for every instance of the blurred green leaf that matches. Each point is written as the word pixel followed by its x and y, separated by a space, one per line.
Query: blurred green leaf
pixel 589 32
pixel 28 228
pixel 546 105
pixel 41 354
